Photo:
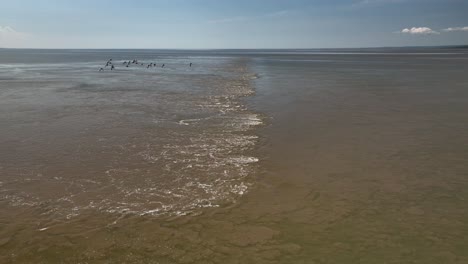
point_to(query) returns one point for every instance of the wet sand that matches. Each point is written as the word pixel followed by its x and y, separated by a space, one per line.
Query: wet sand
pixel 358 164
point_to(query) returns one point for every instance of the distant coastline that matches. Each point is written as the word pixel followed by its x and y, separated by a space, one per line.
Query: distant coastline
pixel 256 49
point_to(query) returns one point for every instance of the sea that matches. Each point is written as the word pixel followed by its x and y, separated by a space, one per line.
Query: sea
pixel 234 156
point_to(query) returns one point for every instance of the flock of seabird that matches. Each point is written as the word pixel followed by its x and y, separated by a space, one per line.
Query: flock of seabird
pixel 128 63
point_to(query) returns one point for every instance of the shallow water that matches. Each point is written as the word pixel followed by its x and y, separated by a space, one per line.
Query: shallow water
pixel 335 156
pixel 131 140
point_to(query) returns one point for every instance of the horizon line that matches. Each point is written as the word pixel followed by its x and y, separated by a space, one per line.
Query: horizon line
pixel 225 49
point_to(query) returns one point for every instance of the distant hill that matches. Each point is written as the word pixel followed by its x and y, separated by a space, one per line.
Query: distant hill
pixel 454 47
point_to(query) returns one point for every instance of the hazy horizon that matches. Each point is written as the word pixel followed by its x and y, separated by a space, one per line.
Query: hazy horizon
pixel 254 49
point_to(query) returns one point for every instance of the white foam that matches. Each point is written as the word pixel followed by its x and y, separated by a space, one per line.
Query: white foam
pixel 197 165
pixel 183 122
pixel 239 189
pixel 244 160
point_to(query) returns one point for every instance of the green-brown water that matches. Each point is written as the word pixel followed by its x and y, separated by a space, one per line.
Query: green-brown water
pixel 361 159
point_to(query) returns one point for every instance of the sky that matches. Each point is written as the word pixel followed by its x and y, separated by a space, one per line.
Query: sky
pixel 232 24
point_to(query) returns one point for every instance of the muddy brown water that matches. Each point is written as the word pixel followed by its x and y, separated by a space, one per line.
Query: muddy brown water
pixel 361 159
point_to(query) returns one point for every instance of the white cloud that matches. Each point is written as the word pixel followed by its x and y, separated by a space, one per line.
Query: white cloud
pixel 10 38
pixel 6 29
pixel 419 31
pixel 456 29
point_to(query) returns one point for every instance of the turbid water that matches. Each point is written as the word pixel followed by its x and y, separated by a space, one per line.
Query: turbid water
pixel 300 156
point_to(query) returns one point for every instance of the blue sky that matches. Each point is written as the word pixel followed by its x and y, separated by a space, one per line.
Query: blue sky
pixel 206 24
